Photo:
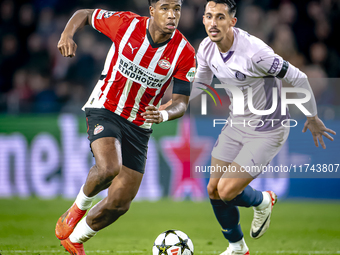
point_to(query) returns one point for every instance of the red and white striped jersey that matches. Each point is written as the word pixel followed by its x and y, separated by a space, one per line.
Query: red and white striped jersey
pixel 137 72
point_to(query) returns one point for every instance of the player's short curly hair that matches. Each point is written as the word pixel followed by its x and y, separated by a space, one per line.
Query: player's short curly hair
pixel 231 5
pixel 155 1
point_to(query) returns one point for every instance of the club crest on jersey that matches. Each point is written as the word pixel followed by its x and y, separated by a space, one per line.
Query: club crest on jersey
pixel 164 64
pixel 98 129
pixel 108 14
pixel 240 76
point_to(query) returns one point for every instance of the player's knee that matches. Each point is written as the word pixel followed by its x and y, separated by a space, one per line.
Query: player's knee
pixel 226 193
pixel 108 172
pixel 119 207
pixel 212 191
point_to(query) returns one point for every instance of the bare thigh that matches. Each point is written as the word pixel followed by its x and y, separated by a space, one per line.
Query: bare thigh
pixel 228 184
pixel 215 177
pixel 108 155
pixel 233 183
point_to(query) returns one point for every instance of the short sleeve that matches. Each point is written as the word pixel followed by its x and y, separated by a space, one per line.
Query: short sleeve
pixel 266 63
pixel 108 22
pixel 186 67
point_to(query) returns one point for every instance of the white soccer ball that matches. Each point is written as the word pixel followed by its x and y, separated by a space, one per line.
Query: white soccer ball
pixel 173 242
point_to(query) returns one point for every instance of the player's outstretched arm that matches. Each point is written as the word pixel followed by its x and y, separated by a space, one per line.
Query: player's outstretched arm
pixel 318 130
pixel 80 18
pixel 176 109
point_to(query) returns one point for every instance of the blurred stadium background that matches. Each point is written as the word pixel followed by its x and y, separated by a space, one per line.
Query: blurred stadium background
pixel 44 151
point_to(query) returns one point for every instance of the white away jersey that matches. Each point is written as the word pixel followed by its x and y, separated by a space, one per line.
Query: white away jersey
pixel 137 71
pixel 249 63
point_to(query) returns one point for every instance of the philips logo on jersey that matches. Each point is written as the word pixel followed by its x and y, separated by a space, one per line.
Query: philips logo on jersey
pixel 140 75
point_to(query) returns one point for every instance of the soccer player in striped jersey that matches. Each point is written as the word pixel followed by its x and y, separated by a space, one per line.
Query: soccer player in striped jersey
pixel 242 61
pixel 145 56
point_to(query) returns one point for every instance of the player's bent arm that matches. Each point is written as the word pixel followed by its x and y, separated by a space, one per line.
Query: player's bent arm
pixel 266 63
pixel 177 108
pixel 296 78
pixel 164 106
pixel 318 129
pixel 179 101
pixel 79 19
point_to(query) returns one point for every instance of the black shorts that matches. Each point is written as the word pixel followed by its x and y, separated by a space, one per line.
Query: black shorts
pixel 133 139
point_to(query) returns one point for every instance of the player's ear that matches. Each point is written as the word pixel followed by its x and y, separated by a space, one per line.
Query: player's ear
pixel 233 21
pixel 151 9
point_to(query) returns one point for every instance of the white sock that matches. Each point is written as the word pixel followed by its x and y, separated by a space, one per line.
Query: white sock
pixel 82 232
pixel 238 246
pixel 265 202
pixel 82 201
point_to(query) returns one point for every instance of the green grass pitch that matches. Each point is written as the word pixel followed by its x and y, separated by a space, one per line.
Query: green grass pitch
pixel 27 227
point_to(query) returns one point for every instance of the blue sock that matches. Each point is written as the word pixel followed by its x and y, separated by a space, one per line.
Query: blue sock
pixel 228 216
pixel 248 197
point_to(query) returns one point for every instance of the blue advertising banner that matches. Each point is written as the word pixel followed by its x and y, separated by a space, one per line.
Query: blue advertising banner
pixel 50 156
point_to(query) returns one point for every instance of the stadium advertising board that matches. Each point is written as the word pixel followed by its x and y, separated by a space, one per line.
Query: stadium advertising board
pixel 49 156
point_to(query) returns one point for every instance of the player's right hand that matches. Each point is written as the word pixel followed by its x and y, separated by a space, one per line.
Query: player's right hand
pixel 318 130
pixel 67 46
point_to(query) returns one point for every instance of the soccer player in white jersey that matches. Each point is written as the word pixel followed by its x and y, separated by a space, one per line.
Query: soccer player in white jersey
pixel 145 56
pixel 239 59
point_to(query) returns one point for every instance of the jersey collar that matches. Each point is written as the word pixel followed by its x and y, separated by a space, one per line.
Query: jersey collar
pixel 152 43
pixel 226 56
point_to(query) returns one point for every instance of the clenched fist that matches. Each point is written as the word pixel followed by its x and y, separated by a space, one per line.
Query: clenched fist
pixel 152 115
pixel 67 46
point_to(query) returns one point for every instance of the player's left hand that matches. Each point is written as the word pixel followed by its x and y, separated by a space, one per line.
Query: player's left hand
pixel 318 130
pixel 152 115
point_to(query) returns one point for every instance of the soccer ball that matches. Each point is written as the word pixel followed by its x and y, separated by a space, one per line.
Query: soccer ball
pixel 173 242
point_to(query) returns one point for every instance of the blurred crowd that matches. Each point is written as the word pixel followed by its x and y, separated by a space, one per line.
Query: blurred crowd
pixel 35 78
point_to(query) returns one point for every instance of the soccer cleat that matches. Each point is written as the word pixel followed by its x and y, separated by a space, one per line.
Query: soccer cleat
pixel 261 219
pixel 73 248
pixel 243 251
pixel 67 222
